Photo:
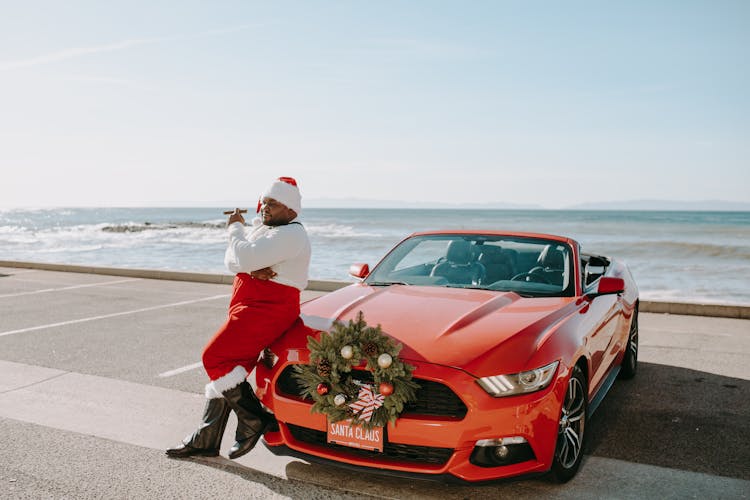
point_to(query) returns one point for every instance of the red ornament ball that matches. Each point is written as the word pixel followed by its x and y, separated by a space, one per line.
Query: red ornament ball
pixel 385 388
pixel 322 389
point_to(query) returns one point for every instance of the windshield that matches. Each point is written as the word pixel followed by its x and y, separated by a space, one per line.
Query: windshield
pixel 528 266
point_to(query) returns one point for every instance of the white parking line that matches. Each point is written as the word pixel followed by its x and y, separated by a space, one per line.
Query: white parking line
pixel 183 369
pixel 46 290
pixel 26 271
pixel 113 315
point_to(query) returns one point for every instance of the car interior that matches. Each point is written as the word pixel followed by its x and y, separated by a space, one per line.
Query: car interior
pixel 528 266
pixel 593 267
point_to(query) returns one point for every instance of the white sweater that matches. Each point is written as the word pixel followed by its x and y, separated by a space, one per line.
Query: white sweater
pixel 285 249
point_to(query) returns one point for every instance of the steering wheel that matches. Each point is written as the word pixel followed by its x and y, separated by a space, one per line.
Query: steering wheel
pixel 535 275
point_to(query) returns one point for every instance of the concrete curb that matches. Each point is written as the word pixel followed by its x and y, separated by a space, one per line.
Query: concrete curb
pixel 690 309
pixel 682 308
pixel 225 279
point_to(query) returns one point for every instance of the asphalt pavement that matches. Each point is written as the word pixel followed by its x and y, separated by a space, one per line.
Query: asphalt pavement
pixel 99 374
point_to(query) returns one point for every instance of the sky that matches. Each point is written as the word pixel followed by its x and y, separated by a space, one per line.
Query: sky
pixel 545 103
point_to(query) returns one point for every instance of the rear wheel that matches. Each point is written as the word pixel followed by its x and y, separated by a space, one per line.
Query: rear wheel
pixel 570 434
pixel 630 360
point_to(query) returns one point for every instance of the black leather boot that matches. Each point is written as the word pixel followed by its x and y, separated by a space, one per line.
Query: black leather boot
pixel 252 419
pixel 206 440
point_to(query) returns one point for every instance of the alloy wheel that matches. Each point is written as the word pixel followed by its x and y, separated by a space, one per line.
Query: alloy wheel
pixel 572 423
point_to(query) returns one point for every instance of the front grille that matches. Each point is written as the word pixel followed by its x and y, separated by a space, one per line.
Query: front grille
pixel 391 451
pixel 433 398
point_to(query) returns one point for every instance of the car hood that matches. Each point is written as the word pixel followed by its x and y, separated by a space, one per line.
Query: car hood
pixel 462 328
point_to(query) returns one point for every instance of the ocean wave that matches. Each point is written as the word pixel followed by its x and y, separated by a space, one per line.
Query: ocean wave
pixel 136 236
pixel 71 249
pixel 12 230
pixel 314 230
pixel 149 226
pixel 672 257
pixel 679 249
pixel 338 231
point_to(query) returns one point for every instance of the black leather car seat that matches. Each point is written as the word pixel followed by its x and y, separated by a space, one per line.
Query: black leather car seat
pixel 550 264
pixel 459 267
pixel 497 263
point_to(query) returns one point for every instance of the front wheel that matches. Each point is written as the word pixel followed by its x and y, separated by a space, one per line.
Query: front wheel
pixel 570 434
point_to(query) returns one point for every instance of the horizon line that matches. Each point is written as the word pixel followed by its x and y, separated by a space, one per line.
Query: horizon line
pixel 742 207
pixel 627 204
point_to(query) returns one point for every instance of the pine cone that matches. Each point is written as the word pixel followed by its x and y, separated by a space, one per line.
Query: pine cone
pixel 324 368
pixel 370 349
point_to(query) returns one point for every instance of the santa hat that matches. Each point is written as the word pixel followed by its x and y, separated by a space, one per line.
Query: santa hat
pixel 284 190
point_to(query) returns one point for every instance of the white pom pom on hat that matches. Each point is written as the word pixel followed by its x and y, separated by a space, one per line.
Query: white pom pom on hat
pixel 284 190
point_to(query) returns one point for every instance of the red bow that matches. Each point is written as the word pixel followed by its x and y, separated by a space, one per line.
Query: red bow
pixel 367 403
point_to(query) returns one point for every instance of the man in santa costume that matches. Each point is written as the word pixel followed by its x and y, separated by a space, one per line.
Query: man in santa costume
pixel 271 262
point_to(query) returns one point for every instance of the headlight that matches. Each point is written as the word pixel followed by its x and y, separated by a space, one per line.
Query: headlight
pixel 519 383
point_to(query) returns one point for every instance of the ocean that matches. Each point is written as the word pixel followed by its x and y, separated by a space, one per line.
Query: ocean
pixel 674 256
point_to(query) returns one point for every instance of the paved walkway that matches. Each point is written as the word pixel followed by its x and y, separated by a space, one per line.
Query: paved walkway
pixel 98 375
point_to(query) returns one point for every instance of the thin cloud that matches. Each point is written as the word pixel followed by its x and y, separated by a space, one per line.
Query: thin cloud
pixel 421 48
pixel 75 52
pixel 106 80
pixel 226 31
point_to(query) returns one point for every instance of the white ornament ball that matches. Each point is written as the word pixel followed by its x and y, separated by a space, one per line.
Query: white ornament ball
pixel 385 360
pixel 347 352
pixel 339 399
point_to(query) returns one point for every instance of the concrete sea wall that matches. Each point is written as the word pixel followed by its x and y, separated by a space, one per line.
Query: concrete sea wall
pixel 684 308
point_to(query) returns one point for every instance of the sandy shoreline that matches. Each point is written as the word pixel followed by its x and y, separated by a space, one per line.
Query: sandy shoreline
pixel 655 306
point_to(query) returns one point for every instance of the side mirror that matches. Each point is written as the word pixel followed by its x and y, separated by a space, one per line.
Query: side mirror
pixel 608 286
pixel 359 271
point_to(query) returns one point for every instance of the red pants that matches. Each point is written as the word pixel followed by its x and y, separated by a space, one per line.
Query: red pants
pixel 259 312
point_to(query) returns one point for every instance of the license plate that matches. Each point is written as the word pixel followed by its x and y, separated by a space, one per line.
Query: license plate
pixel 356 436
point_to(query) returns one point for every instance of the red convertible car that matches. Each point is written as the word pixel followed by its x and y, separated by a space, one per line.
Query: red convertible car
pixel 514 339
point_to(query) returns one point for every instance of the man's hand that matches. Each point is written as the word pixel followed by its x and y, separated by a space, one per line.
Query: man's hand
pixel 263 274
pixel 236 216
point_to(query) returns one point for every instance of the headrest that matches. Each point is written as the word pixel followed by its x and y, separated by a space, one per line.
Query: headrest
pixel 459 252
pixel 492 254
pixel 551 258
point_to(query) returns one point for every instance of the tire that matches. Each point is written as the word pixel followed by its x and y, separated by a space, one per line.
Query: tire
pixel 571 429
pixel 630 360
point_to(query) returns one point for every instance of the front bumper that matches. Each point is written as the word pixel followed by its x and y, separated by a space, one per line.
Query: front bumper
pixel 432 445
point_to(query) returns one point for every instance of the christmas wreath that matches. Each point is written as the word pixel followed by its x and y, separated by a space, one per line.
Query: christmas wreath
pixel 328 378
